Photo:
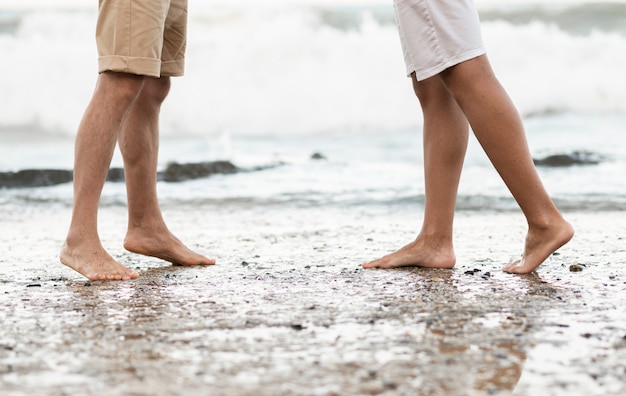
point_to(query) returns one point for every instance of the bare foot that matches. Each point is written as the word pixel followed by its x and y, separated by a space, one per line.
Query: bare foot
pixel 540 244
pixel 94 263
pixel 418 253
pixel 165 246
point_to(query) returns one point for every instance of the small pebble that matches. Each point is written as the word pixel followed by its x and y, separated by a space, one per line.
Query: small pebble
pixel 436 279
pixel 390 384
pixel 575 268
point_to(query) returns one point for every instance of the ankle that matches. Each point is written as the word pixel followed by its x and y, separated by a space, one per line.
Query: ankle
pixel 435 237
pixel 75 239
pixel 547 223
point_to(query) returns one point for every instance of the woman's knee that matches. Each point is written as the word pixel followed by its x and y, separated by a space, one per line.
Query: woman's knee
pixel 469 75
pixel 431 91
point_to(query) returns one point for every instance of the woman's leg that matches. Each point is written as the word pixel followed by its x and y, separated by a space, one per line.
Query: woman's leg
pixel 445 144
pixel 498 127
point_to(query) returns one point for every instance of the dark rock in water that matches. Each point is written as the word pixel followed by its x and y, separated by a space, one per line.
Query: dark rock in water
pixel 318 156
pixel 47 177
pixel 176 172
pixel 115 175
pixel 574 158
pixel 262 167
pixel 34 178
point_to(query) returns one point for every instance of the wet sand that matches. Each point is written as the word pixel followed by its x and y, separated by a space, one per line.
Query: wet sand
pixel 288 310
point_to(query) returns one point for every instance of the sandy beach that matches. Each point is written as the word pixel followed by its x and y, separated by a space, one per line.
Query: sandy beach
pixel 288 310
pixel 309 101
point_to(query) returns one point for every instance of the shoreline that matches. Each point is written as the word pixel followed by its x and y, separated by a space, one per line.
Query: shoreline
pixel 287 309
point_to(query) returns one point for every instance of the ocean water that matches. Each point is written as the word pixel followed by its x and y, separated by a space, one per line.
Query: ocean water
pixel 272 83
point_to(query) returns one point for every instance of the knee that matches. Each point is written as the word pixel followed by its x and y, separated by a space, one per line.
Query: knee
pixel 121 87
pixel 470 78
pixel 432 92
pixel 157 89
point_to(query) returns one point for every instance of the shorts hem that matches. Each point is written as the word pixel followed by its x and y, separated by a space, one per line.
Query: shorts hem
pixel 446 64
pixel 124 64
pixel 174 68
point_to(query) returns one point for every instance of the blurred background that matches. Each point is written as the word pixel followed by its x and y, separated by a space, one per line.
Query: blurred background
pixel 275 82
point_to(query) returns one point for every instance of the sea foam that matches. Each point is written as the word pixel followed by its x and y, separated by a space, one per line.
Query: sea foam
pixel 277 70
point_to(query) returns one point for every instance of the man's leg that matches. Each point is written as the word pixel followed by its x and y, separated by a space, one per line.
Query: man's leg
pixel 498 128
pixel 445 143
pixel 95 143
pixel 139 142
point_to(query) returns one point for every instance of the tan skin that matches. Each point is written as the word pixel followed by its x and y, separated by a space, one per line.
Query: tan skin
pixel 463 95
pixel 124 108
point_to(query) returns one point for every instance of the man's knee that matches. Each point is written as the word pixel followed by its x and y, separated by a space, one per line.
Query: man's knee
pixel 157 89
pixel 123 86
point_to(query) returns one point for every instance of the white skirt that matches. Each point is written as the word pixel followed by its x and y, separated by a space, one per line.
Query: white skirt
pixel 437 34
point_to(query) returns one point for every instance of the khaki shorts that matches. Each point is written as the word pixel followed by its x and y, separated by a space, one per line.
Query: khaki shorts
pixel 145 37
pixel 437 34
